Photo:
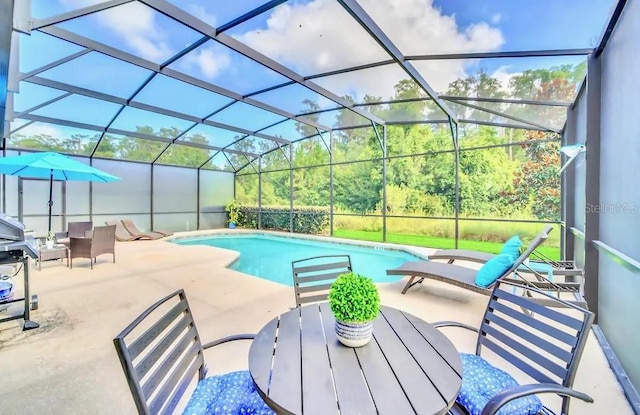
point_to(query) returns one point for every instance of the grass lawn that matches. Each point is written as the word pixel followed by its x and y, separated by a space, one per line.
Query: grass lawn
pixel 436 242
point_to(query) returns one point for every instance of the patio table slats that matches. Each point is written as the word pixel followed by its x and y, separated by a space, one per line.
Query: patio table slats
pixel 286 364
pixel 422 394
pixel 351 391
pixel 440 373
pixel 316 375
pixel 387 393
pixel 436 340
pixel 409 367
pixel 261 355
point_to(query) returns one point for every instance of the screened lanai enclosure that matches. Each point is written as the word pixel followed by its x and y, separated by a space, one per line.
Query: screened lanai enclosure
pixel 422 122
pixel 452 128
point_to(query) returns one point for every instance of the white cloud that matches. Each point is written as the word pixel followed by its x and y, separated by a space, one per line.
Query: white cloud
pixel 39 129
pixel 503 76
pixel 134 23
pixel 210 62
pixel 313 37
pixel 320 35
pixel 201 13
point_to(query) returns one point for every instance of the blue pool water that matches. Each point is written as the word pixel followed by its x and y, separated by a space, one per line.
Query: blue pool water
pixel 270 257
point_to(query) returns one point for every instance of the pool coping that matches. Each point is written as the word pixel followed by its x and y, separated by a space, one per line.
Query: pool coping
pixel 420 252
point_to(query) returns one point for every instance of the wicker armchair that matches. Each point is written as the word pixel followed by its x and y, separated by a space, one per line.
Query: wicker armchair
pixel 74 230
pixel 102 241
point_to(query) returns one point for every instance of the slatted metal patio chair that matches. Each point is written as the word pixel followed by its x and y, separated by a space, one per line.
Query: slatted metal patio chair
pixel 542 343
pixel 161 355
pixel 312 277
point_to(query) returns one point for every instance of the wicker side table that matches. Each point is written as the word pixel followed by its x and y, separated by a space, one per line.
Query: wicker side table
pixel 57 252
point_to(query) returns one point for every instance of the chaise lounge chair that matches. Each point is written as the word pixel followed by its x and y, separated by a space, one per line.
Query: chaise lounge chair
pixel 466 277
pixel 121 233
pixel 131 227
pixel 540 264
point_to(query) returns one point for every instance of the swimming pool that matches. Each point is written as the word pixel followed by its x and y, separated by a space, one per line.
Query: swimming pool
pixel 270 257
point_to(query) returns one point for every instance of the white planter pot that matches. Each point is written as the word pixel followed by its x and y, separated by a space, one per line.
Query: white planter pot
pixel 354 334
pixel 49 244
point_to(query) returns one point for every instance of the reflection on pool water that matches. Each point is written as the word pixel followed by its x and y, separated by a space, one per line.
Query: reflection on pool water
pixel 270 257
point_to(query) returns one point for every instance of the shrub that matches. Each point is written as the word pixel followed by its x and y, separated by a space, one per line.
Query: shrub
pixel 354 298
pixel 311 220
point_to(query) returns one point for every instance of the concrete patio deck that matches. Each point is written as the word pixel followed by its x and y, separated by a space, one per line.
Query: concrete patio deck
pixel 69 365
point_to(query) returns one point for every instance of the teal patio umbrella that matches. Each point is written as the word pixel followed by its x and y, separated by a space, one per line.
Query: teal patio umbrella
pixel 52 166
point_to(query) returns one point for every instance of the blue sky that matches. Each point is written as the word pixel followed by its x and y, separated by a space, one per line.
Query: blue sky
pixel 536 24
pixel 551 24
pixel 310 36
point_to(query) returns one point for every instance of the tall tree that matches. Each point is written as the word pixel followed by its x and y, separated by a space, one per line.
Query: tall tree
pixel 536 184
pixel 309 106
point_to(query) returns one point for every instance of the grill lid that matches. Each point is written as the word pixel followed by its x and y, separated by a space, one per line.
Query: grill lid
pixel 13 242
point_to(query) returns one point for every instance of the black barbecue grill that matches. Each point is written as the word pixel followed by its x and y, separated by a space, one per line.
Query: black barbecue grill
pixel 17 248
pixel 14 244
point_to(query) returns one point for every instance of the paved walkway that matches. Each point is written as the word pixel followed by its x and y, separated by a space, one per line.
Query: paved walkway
pixel 69 366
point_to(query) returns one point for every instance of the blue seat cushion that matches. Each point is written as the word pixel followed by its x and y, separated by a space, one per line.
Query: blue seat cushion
pixel 481 381
pixel 229 394
pixel 512 247
pixel 493 269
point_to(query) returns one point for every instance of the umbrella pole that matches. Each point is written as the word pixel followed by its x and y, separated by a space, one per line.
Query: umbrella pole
pixel 50 197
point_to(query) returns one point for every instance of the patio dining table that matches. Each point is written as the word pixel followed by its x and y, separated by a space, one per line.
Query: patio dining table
pixel 299 366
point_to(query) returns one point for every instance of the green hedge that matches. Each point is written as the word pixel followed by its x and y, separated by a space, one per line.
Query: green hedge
pixel 306 219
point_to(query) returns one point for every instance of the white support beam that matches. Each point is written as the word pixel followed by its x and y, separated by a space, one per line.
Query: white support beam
pixel 363 18
pixel 143 63
pixel 510 117
pixel 53 64
pixel 194 23
pixel 74 14
pixel 97 128
pixel 122 101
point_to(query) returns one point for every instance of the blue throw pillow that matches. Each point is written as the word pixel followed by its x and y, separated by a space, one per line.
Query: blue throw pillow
pixel 512 247
pixel 493 269
pixel 481 381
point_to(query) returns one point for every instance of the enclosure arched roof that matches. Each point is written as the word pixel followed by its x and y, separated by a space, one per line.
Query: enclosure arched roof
pixel 190 82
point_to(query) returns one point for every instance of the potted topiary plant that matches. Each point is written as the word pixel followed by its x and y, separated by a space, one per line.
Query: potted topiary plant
pixel 51 238
pixel 355 303
pixel 234 211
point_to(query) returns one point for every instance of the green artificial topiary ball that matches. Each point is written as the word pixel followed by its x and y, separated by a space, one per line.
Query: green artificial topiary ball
pixel 354 298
